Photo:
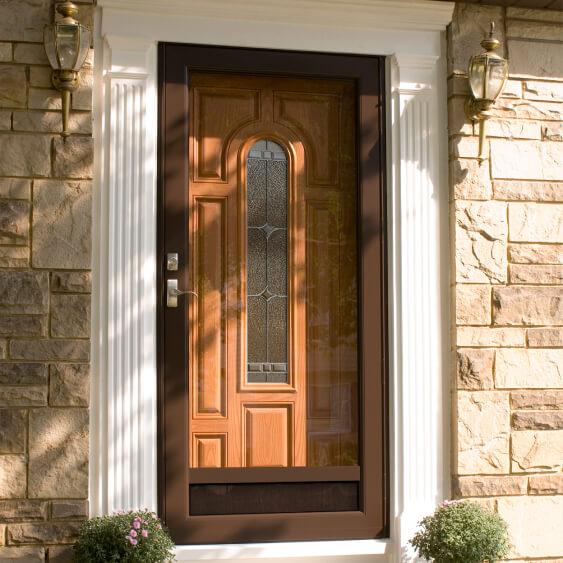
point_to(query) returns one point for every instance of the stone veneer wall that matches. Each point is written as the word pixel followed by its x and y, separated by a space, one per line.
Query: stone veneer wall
pixel 507 242
pixel 45 254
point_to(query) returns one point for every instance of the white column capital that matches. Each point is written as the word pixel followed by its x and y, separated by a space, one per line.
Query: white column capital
pixel 128 55
pixel 414 74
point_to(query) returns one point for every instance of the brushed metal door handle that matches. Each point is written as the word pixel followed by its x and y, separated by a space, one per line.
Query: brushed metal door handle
pixel 172 293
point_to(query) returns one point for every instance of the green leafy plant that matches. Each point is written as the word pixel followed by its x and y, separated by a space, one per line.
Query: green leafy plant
pixel 136 536
pixel 461 532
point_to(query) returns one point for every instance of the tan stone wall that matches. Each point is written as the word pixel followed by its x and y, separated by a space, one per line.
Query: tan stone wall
pixel 507 226
pixel 45 252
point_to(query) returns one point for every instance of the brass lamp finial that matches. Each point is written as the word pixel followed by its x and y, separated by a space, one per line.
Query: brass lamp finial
pixel 490 43
pixel 68 10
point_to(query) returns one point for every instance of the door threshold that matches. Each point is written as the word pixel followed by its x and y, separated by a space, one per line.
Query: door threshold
pixel 307 552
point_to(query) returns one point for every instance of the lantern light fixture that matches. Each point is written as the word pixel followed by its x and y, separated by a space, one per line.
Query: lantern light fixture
pixel 66 44
pixel 487 74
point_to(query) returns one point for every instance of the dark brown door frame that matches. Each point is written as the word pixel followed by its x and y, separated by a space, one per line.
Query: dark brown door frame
pixel 176 61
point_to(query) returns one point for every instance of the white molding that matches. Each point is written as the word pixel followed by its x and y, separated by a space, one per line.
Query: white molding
pixel 419 15
pixel 400 27
pixel 123 442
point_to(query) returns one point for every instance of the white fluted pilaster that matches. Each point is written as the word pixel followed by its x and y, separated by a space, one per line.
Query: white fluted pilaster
pixel 124 391
pixel 419 235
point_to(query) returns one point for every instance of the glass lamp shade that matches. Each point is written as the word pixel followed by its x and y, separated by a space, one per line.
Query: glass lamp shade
pixel 487 75
pixel 66 45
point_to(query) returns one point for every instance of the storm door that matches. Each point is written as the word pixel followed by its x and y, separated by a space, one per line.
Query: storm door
pixel 263 379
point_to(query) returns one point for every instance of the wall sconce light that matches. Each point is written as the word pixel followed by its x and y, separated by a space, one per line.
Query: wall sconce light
pixel 487 75
pixel 66 43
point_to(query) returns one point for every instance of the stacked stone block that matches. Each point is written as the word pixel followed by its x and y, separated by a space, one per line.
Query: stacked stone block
pixel 507 273
pixel 45 285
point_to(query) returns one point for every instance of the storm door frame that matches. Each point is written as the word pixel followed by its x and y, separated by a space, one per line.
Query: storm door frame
pixel 176 62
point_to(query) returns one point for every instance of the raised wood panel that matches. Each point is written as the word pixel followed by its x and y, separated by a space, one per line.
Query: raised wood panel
pixel 268 432
pixel 331 330
pixel 209 450
pixel 219 112
pixel 315 117
pixel 323 448
pixel 322 302
pixel 210 255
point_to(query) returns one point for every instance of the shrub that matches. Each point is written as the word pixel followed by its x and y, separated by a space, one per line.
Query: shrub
pixel 127 536
pixel 461 532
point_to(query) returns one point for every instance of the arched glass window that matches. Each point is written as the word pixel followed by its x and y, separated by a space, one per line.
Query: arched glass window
pixel 267 263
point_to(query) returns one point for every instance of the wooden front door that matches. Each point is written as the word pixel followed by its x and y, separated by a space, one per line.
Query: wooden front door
pixel 272 350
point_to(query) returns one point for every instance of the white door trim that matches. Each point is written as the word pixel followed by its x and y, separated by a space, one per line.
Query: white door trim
pixel 123 428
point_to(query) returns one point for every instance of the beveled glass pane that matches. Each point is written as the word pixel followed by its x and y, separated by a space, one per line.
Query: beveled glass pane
pixel 267 261
pixel 256 194
pixel 67 45
pixel 257 314
pixel 84 45
pixel 487 75
pixel 477 76
pixel 256 258
pixel 277 329
pixel 497 73
pixel 277 262
pixel 277 193
pixel 50 49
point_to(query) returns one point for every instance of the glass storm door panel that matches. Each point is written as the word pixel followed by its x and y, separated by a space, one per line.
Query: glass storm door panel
pixel 273 336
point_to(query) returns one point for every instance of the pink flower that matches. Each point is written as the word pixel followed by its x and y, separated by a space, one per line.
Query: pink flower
pixel 132 541
pixel 447 503
pixel 145 533
pixel 133 533
pixel 136 524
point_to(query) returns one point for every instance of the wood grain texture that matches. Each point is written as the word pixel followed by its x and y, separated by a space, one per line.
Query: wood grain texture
pixel 210 450
pixel 209 327
pixel 267 435
pixel 315 116
pixel 218 113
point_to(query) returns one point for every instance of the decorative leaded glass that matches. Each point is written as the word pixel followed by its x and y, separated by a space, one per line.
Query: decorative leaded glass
pixel 267 261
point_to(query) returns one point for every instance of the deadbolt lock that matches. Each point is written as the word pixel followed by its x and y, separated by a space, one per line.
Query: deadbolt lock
pixel 172 261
